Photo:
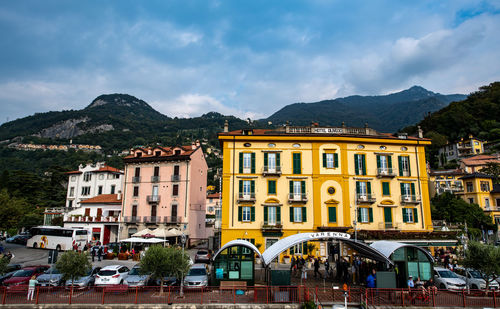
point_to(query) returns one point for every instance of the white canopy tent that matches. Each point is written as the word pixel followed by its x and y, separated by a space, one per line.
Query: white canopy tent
pixel 144 240
pixel 175 232
pixel 162 233
pixel 142 233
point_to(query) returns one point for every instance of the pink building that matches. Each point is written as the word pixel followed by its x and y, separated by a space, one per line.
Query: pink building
pixel 165 187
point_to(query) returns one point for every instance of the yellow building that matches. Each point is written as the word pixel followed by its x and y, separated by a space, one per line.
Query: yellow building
pixel 308 179
pixel 441 181
pixel 479 189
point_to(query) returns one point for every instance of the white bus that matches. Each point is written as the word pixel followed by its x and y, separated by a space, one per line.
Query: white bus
pixel 59 238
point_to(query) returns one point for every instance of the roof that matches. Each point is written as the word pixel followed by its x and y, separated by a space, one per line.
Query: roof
pixel 108 169
pixel 388 247
pixel 496 188
pixel 452 172
pixel 74 172
pixel 476 175
pixel 166 154
pixel 103 199
pixel 480 160
pixel 213 195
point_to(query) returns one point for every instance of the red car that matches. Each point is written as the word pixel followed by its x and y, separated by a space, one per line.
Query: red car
pixel 23 276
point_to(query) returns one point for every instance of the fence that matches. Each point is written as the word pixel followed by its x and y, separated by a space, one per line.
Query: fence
pixel 122 294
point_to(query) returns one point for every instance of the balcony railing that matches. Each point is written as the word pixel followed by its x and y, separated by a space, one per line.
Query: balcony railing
pixel 132 219
pixel 275 170
pixel 172 220
pixel 246 197
pixel 136 179
pixel 152 219
pixel 153 199
pixel 175 177
pixel 365 198
pixel 405 173
pixel 410 199
pixel 386 172
pixel 388 226
pixel 272 225
pixel 155 178
pixel 91 219
pixel 297 198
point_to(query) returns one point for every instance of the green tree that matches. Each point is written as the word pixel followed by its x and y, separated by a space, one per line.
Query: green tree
pixel 11 209
pixel 492 169
pixel 485 259
pixel 162 262
pixel 3 265
pixel 72 265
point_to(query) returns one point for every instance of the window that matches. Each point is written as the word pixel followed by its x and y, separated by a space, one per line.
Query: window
pixel 157 153
pixel 72 191
pixel 410 215
pixel 113 189
pixel 407 190
pixel 137 172
pixel 298 214
pixel 176 170
pixel 297 190
pixel 247 162
pixel 297 164
pixel 404 166
pixel 470 187
pixel 271 162
pixel 386 188
pixel 298 249
pixel 363 190
pixel 99 190
pixel 246 213
pixel 136 191
pixel 272 215
pixel 247 188
pixel 487 203
pixel 175 190
pixel 156 171
pixel 365 215
pixel 134 210
pixel 384 164
pixel 330 160
pixel 471 200
pixel 73 178
pixel 360 164
pixel 173 212
pixel 155 191
pixel 271 187
pixel 87 176
pixel 332 214
pixel 101 176
pixel 85 191
pixel 70 203
pixel 153 210
pixel 485 186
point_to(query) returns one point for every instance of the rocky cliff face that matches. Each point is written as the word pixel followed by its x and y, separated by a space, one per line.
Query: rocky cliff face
pixel 70 128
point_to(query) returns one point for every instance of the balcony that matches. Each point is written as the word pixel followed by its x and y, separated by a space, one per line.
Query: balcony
pixel 365 198
pixel 246 197
pixel 131 219
pixel 405 173
pixel 78 218
pixel 272 228
pixel 153 199
pixel 136 179
pixel 152 219
pixel 297 198
pixel 155 178
pixel 172 220
pixel 410 199
pixel 388 226
pixel 386 172
pixel 271 171
pixel 175 178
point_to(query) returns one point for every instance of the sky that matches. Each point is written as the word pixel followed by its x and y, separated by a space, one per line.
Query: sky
pixel 244 58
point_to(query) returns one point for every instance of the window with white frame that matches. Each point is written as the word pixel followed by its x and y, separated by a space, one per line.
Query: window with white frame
pixel 85 191
pixel 271 161
pixel 246 188
pixel 297 249
pixel 408 215
pixel 247 160
pixel 87 176
pixel 271 215
pixel 329 160
pixel 487 203
pixel 297 214
pixel 246 214
pixel 405 165
pixel 72 191
pixel 364 216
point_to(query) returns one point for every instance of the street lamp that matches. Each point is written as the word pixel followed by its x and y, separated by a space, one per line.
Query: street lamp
pixel 183 241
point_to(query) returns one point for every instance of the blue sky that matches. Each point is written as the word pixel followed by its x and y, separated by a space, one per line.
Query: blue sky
pixel 246 58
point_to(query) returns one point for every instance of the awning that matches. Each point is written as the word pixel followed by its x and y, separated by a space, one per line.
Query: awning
pixel 144 240
pixel 162 233
pixel 142 233
pixel 388 247
pixel 176 232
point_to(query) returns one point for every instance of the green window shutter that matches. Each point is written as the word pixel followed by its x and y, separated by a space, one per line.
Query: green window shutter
pixel 370 214
pixel 252 214
pixel 356 164
pixel 240 213
pixel 402 188
pixel 292 250
pixel 358 189
pixel 412 188
pixel 265 159
pixel 265 215
pixel 296 163
pixel 303 187
pixel 277 159
pixel 409 168
pixel 253 163
pixel 271 187
pixel 304 214
pixel 278 214
pixel 415 215
pixel 363 161
pixel 332 214
pixel 368 187
pixel 378 161
pixel 405 219
pixel 385 189
pixel 400 165
pixel 291 214
pixel 389 161
pixel 241 162
pixel 335 160
pixel 304 247
pixel 359 215
pixel 291 186
pixel 324 160
pixel 240 183
pixel 252 186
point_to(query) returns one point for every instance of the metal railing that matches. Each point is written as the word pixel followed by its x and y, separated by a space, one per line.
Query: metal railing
pixel 297 197
pixel 275 170
pixel 152 219
pixel 173 220
pixel 155 178
pixel 175 177
pixel 388 226
pixel 153 198
pixel 410 199
pixel 404 173
pixel 246 197
pixel 131 219
pixel 92 219
pixel 365 198
pixel 386 172
pixel 136 179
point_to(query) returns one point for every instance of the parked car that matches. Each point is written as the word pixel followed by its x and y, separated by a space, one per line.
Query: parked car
pixel 113 274
pixel 13 267
pixel 85 281
pixel 168 281
pixel 51 277
pixel 18 239
pixel 202 256
pixel 474 280
pixel 446 279
pixel 135 278
pixel 197 276
pixel 6 276
pixel 24 275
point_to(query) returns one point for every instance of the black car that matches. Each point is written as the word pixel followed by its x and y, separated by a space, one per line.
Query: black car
pixel 19 239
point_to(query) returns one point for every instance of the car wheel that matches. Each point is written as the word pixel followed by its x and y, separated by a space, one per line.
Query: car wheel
pixel 474 287
pixel 442 286
pixel 121 282
pixel 58 248
pixel 35 245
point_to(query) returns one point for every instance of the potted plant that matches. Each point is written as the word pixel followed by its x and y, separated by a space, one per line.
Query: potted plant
pixel 286 259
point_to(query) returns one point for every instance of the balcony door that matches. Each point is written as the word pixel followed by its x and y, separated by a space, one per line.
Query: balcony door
pixel 297 190
pixel 383 164
pixel 134 211
pixel 363 192
pixel 155 191
pixel 153 211
pixel 174 213
pixel 271 215
pixel 271 162
pixel 246 189
pixel 388 217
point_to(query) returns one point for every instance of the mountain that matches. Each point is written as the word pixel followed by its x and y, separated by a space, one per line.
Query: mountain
pixel 386 113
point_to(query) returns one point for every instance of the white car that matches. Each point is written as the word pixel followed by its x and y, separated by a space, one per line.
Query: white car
pixel 474 280
pixel 113 274
pixel 446 279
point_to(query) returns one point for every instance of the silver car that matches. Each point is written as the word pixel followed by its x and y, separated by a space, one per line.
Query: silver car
pixel 85 281
pixel 51 277
pixel 197 276
pixel 135 278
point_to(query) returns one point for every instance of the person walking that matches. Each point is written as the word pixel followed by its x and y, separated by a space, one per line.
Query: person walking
pixel 304 271
pixel 316 267
pixel 292 265
pixel 31 287
pixel 299 268
pixel 327 269
pixel 99 253
pixel 371 280
pixel 92 252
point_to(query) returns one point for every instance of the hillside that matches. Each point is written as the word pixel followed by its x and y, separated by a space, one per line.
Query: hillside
pixel 386 113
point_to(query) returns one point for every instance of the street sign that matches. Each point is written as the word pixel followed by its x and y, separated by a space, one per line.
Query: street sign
pixel 183 238
pixel 53 256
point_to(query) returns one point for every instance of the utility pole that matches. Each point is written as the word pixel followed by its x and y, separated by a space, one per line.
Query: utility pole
pixel 183 241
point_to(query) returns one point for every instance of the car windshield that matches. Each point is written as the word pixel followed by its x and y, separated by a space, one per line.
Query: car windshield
pixel 476 274
pixel 202 252
pixel 447 274
pixel 107 272
pixel 135 272
pixel 197 272
pixel 24 273
pixel 52 271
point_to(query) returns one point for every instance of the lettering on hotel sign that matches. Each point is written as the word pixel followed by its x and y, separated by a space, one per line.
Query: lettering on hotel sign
pixel 328 130
pixel 329 234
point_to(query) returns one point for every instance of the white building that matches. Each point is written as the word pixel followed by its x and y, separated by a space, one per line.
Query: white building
pixel 92 180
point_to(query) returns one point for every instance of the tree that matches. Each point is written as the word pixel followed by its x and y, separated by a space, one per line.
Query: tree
pixel 11 209
pixel 492 169
pixel 485 259
pixel 162 262
pixel 3 264
pixel 73 265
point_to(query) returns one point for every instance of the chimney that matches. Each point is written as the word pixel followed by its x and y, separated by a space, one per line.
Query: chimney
pixel 193 145
pixel 420 132
pixel 119 195
pixel 226 126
